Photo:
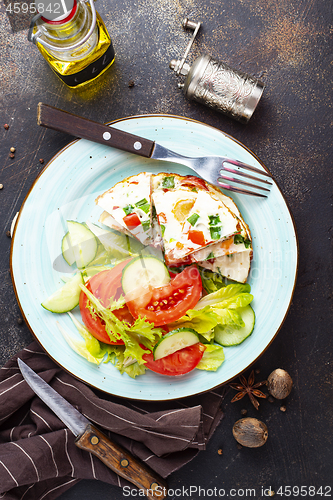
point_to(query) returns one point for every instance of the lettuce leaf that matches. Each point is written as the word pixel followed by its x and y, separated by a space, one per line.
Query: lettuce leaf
pixel 217 308
pixel 202 321
pixel 92 344
pixel 211 281
pixel 135 337
pixel 212 358
pixel 97 352
pixel 128 365
pixel 82 346
pixel 230 296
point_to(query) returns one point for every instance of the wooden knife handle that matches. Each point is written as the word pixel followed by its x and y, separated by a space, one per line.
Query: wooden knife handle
pixel 122 462
pixel 62 121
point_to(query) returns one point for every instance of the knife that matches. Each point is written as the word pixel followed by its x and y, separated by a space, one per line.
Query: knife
pixel 91 439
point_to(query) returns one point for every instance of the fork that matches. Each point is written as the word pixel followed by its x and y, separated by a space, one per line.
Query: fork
pixel 220 171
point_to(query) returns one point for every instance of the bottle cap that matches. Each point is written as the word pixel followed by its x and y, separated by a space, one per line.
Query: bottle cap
pixel 61 14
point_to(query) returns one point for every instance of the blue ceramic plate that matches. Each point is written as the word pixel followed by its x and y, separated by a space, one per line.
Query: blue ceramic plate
pixel 66 189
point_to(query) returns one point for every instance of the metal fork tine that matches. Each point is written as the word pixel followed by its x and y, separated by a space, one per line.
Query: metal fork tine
pixel 239 181
pixel 243 174
pixel 245 166
pixel 228 187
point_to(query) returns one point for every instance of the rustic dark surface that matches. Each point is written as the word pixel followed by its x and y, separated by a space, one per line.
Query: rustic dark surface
pixel 288 44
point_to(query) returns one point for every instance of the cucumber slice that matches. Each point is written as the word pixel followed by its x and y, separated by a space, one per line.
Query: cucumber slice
pixel 144 271
pixel 118 245
pixel 66 298
pixel 83 243
pixel 67 250
pixel 227 335
pixel 174 341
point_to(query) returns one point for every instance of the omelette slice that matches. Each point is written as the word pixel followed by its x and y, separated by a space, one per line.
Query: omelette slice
pixel 127 207
pixel 232 257
pixel 109 221
pixel 235 267
pixel 190 215
pixel 235 244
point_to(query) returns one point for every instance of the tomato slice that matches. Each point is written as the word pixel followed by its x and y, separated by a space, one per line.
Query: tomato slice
pixel 170 302
pixel 104 285
pixel 177 363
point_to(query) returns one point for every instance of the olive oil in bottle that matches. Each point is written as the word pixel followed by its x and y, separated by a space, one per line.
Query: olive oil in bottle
pixel 77 47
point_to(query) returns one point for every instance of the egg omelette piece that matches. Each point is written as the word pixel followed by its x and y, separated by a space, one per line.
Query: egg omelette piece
pixel 128 207
pixel 235 244
pixel 235 267
pixel 190 215
pixel 109 221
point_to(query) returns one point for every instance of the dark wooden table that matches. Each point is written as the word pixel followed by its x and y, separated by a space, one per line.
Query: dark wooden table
pixel 288 44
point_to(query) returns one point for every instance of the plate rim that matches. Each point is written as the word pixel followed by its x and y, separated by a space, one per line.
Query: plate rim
pixel 111 123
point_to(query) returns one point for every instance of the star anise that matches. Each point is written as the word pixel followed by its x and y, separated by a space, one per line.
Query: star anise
pixel 250 388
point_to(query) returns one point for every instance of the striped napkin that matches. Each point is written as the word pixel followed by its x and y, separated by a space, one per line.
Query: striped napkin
pixel 38 457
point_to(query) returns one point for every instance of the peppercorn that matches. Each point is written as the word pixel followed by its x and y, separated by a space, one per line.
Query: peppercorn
pixel 6 126
pixel 19 321
pixel 8 234
pixel 131 83
pixel 12 150
pixel 220 451
pixel 11 155
pixel 1 186
pixel 41 160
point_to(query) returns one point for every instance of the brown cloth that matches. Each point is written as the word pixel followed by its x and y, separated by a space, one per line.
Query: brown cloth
pixel 38 457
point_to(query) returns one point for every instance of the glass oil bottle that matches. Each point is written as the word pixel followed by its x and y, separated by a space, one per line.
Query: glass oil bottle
pixel 78 47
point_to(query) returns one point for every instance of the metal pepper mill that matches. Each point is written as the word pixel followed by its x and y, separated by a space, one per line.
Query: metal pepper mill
pixel 216 84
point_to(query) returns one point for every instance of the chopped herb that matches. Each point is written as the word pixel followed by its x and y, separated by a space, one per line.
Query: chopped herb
pixel 145 225
pixel 141 202
pixel 215 232
pixel 214 220
pixel 168 182
pixel 145 208
pixel 210 256
pixel 238 238
pixel 193 219
pixel 128 209
pixel 162 226
pixel 194 190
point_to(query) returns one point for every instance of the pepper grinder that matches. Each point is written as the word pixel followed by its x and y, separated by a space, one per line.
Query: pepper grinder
pixel 216 84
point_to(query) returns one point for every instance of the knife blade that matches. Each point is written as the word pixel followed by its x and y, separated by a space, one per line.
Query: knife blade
pixel 90 438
